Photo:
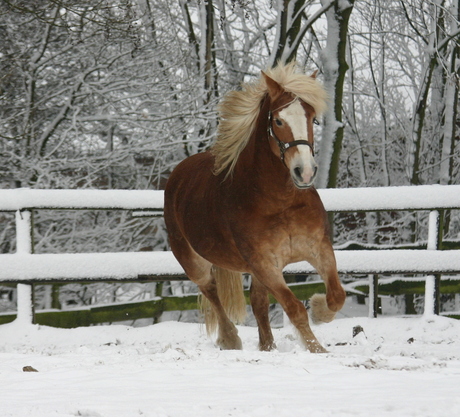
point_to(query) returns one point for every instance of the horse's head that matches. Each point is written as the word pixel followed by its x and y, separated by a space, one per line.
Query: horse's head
pixel 290 133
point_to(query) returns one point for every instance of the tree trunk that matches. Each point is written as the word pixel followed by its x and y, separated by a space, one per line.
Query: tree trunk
pixel 335 67
pixel 451 107
pixel 433 52
pixel 289 28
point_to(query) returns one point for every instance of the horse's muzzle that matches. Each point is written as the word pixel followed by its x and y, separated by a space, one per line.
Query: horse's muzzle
pixel 304 177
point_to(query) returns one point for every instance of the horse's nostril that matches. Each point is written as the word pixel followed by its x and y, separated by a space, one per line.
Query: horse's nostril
pixel 298 172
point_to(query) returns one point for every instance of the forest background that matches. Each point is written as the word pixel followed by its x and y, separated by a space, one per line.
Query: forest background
pixel 113 94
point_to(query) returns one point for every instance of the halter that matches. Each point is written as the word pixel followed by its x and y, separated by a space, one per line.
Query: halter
pixel 284 146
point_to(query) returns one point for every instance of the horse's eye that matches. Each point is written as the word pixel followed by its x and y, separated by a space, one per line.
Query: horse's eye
pixel 278 122
pixel 315 121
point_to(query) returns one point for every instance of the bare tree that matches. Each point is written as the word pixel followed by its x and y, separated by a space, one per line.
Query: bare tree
pixel 334 67
pixel 294 19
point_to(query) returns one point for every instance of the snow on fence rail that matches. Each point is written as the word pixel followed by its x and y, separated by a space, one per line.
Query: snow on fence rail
pixel 24 267
pixel 423 197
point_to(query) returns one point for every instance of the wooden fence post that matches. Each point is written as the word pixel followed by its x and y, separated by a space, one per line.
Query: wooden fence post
pixel 432 286
pixel 373 295
pixel 25 245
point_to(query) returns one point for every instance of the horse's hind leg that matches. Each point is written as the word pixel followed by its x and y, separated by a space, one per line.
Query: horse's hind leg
pixel 227 333
pixel 198 270
pixel 260 305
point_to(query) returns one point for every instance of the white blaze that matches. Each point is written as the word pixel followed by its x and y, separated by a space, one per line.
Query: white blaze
pixel 294 116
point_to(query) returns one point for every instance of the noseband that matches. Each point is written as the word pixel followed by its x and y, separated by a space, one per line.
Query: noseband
pixel 284 146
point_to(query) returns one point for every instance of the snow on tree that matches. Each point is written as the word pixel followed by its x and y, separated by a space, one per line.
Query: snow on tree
pixel 114 94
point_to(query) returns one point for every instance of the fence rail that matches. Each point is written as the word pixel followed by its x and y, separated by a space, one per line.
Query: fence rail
pixel 25 267
pixel 160 266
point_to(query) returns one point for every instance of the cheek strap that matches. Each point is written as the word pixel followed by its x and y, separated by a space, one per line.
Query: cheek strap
pixel 284 146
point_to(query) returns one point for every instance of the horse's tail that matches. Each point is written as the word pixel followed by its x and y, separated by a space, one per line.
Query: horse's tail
pixel 231 295
pixel 319 310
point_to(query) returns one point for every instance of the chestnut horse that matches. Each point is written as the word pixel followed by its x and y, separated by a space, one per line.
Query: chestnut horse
pixel 248 205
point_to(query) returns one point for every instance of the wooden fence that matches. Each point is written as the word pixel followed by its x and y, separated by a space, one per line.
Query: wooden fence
pixel 26 268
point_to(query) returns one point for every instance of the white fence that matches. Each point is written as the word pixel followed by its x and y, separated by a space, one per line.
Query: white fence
pixel 25 267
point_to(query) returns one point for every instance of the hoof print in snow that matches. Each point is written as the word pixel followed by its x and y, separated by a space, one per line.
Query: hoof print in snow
pixel 29 369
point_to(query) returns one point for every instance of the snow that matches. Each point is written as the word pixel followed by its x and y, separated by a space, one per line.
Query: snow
pixel 397 366
pixel 430 295
pixel 24 246
pixel 25 309
pixel 389 261
pixel 425 197
pixel 432 245
pixel 131 265
pixel 20 198
pixel 23 232
pixel 25 266
pixel 88 266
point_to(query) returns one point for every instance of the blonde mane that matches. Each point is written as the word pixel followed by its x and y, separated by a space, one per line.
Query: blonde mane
pixel 239 111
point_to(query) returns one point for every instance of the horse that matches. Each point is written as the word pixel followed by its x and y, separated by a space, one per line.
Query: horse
pixel 248 205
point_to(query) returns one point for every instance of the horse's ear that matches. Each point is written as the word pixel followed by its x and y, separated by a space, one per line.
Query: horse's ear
pixel 315 73
pixel 274 89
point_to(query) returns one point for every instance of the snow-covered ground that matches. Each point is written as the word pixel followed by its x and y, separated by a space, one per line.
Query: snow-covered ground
pixel 397 367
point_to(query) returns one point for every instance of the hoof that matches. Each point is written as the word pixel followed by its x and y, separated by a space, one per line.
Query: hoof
pixel 227 344
pixel 314 347
pixel 267 347
pixel 319 311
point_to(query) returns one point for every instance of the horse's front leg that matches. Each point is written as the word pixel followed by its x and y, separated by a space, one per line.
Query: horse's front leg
pixel 274 281
pixel 324 307
pixel 260 304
